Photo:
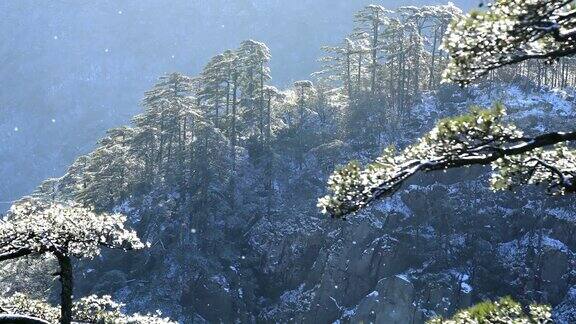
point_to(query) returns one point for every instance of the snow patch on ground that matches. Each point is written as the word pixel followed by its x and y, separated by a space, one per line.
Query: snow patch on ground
pixel 511 253
pixel 562 213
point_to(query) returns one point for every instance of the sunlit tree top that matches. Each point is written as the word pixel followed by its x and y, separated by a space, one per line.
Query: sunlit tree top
pixel 508 32
pixel 33 226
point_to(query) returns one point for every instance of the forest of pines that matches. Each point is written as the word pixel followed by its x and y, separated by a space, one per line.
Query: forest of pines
pixel 212 157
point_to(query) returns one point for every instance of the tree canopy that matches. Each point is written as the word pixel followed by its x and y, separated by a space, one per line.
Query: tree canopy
pixel 34 226
pixel 89 309
pixel 505 310
pixel 510 32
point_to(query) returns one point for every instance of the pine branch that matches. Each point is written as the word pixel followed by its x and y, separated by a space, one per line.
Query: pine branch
pixel 482 155
pixel 20 319
pixel 15 254
pixel 493 153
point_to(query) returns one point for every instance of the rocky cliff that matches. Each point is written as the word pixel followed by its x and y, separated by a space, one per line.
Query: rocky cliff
pixel 443 242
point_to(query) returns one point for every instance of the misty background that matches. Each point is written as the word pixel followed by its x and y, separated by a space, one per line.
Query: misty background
pixel 69 70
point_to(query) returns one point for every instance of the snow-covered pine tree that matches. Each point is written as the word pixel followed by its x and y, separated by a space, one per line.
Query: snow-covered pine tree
pixel 66 231
pixel 271 94
pixel 369 23
pixel 213 88
pixel 504 310
pixel 108 171
pixel 337 65
pixel 253 62
pixel 510 32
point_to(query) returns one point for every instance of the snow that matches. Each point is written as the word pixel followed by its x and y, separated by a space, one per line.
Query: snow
pixel 562 213
pixel 373 294
pixel 554 244
pixel 466 288
pixel 403 277
pixel 394 204
pixel 221 280
pixel 511 252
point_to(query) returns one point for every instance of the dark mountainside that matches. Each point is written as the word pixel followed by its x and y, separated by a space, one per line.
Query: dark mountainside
pixel 221 174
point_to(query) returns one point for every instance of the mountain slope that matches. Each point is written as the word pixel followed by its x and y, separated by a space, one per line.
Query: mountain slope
pixel 443 242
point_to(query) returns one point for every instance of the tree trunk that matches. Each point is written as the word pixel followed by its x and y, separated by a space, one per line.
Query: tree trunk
pixel 261 104
pixel 217 111
pixel 349 73
pixel 270 156
pixel 375 32
pixel 359 76
pixel 301 110
pixel 431 80
pixel 20 319
pixel 66 280
pixel 233 144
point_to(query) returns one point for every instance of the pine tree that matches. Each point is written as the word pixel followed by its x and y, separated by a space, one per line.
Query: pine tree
pixel 253 60
pixel 163 123
pixel 34 227
pixel 370 22
pixel 106 172
pixel 304 89
pixel 213 87
pixel 338 65
pixel 271 94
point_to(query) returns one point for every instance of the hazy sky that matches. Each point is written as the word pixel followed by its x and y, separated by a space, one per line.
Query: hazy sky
pixel 70 69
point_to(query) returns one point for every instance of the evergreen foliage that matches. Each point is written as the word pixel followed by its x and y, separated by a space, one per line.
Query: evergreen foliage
pixel 505 310
pixel 35 227
pixel 90 309
pixel 510 32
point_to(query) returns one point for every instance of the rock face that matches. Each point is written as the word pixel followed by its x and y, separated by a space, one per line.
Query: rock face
pixel 391 302
pixel 443 242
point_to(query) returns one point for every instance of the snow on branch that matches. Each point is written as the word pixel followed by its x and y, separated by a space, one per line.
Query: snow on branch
pixel 90 309
pixel 478 138
pixel 35 226
pixel 509 32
